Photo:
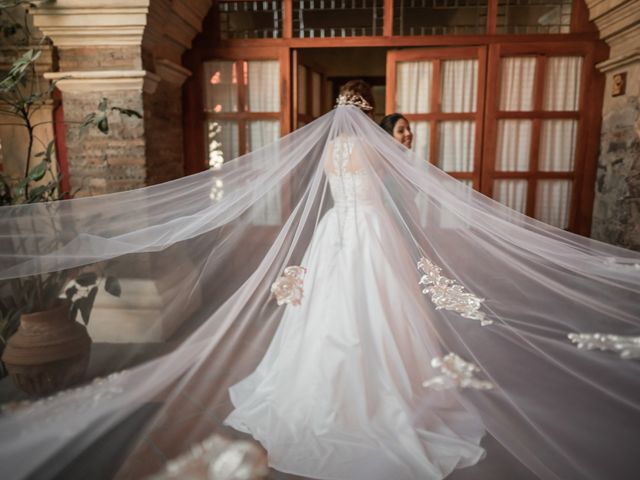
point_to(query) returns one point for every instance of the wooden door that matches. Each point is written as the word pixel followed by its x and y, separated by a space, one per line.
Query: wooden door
pixel 245 101
pixel 441 92
pixel 309 90
pixel 537 124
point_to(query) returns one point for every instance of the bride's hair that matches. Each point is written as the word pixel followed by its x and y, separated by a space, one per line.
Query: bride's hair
pixel 359 87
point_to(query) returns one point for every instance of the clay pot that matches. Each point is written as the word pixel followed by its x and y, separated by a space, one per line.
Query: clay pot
pixel 48 352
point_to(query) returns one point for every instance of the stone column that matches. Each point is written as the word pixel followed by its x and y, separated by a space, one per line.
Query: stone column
pixel 616 212
pixel 129 52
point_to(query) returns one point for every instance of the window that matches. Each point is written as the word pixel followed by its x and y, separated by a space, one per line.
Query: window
pixel 337 18
pixel 438 91
pixel 242 107
pixel 534 16
pixel 250 19
pixel 439 17
pixel 535 115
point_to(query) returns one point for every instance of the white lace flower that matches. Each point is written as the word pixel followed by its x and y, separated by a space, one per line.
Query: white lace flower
pixel 217 458
pixel 288 287
pixel 626 345
pixel 447 294
pixel 455 373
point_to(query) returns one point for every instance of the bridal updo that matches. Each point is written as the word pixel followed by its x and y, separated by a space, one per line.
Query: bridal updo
pixel 362 88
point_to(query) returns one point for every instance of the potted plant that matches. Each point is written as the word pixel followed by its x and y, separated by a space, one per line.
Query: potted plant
pixel 43 347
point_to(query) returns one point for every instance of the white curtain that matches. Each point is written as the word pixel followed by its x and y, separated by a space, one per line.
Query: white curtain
pixel 262 133
pixel 459 85
pixel 459 95
pixel 512 193
pixel 562 84
pixel 557 145
pixel 264 96
pixel 513 145
pixel 421 137
pixel 264 86
pixel 413 87
pixel 553 202
pixel 456 146
pixel 518 75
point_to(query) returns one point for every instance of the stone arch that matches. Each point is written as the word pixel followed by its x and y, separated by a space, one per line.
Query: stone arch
pixel 130 52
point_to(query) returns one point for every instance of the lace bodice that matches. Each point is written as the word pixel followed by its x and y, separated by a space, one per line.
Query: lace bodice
pixel 349 180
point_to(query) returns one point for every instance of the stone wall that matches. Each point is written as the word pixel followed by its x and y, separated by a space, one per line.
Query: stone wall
pixel 128 51
pixel 616 211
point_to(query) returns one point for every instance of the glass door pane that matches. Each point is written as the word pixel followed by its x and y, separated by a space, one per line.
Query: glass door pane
pixel 263 86
pixel 413 87
pixel 220 86
pixel 553 202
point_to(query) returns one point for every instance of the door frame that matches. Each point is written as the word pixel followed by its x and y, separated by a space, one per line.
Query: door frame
pixel 437 55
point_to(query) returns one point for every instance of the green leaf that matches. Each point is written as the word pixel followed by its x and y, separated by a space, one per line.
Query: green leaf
pixel 103 125
pixel 49 152
pixel 43 193
pixel 87 122
pixel 127 112
pixel 19 70
pixel 36 194
pixel 21 185
pixel 74 311
pixel 102 106
pixel 86 279
pixel 71 291
pixel 112 286
pixel 85 305
pixel 39 171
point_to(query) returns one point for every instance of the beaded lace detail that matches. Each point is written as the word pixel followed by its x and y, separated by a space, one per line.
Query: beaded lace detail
pixel 455 373
pixel 218 458
pixel 350 184
pixel 447 294
pixel 288 288
pixel 627 346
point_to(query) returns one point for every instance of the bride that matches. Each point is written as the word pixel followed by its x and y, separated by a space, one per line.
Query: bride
pixel 342 378
pixel 359 315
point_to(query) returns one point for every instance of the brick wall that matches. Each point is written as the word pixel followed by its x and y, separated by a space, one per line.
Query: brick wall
pixel 101 163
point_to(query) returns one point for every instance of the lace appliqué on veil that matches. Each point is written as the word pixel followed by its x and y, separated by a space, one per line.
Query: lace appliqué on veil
pixel 447 294
pixel 456 373
pixel 627 346
pixel 288 288
pixel 218 458
pixel 74 401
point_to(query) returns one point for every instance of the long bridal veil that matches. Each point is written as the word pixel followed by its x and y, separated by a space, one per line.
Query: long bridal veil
pixel 536 328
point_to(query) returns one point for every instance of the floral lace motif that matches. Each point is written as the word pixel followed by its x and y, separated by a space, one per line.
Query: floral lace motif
pixel 455 373
pixel 627 346
pixel 60 405
pixel 613 262
pixel 220 459
pixel 288 287
pixel 448 295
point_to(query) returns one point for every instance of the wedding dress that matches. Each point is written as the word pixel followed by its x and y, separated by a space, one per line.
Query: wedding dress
pixel 358 312
pixel 343 375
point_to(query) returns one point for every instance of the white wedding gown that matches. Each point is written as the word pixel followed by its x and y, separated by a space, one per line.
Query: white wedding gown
pixel 341 381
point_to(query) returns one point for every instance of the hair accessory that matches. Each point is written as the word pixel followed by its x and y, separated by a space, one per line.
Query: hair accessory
pixel 353 99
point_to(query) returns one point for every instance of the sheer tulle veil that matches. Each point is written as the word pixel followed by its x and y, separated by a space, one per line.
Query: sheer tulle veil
pixel 512 306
